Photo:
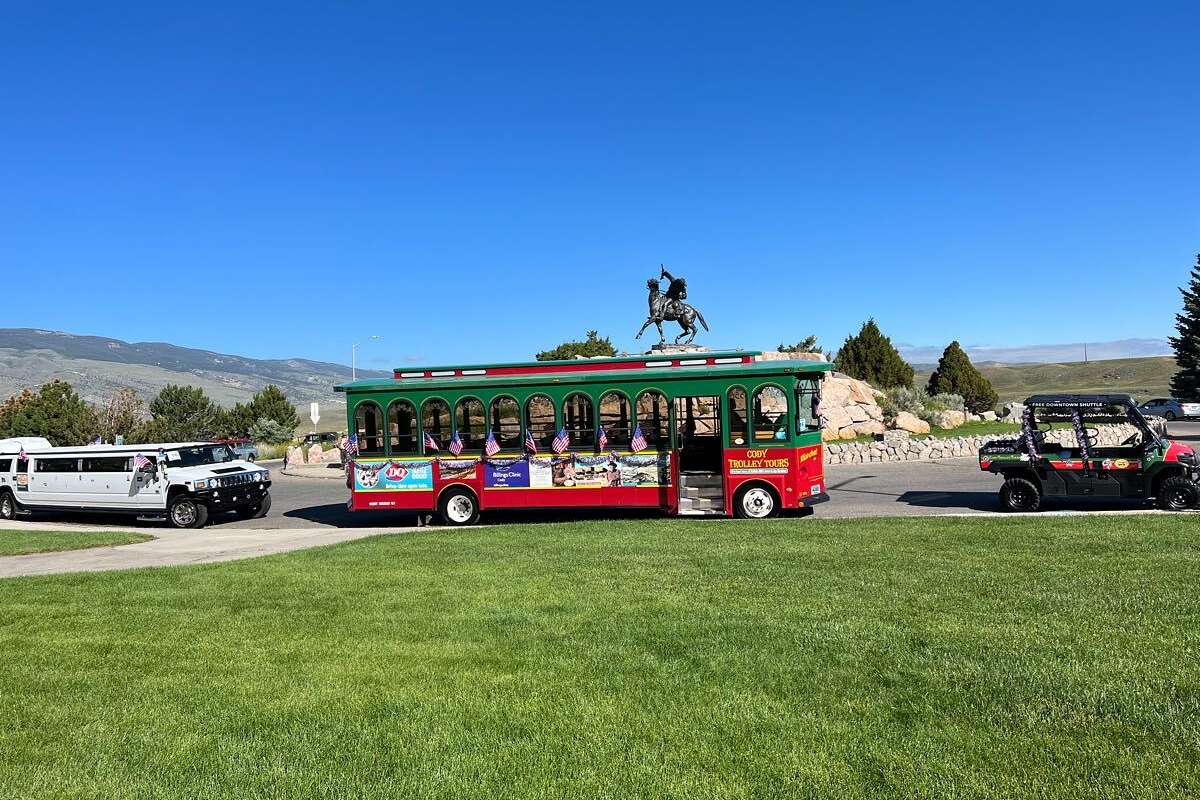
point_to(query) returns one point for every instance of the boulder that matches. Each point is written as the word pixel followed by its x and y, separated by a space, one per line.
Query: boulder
pixel 949 419
pixel 870 427
pixel 988 416
pixel 907 422
pixel 1012 411
pixel 314 454
pixel 836 417
pixel 858 413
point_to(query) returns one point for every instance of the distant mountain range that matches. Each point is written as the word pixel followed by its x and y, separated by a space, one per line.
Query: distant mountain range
pixel 96 366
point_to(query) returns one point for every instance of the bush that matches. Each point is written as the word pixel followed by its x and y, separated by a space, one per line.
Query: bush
pixel 902 398
pixel 949 401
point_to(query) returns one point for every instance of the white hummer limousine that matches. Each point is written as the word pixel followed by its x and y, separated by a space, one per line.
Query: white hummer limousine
pixel 182 483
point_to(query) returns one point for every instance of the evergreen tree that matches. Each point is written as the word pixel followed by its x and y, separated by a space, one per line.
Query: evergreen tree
pixel 1186 383
pixel 9 410
pixel 870 357
pixel 594 346
pixel 271 403
pixel 56 412
pixel 808 345
pixel 236 421
pixel 955 374
pixel 181 414
pixel 268 431
pixel 121 414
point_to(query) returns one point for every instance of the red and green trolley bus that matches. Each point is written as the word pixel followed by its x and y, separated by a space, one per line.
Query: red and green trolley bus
pixel 699 433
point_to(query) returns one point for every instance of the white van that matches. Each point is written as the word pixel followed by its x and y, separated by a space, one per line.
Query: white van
pixel 182 483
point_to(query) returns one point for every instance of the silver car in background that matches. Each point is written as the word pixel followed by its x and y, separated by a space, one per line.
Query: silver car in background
pixel 1170 408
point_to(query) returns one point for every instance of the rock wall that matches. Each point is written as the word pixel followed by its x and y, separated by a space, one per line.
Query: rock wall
pixel 896 447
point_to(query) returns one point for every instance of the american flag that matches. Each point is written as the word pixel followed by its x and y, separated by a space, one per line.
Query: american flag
pixel 22 456
pixel 456 446
pixel 601 439
pixel 352 444
pixel 140 461
pixel 639 440
pixel 430 444
pixel 491 446
pixel 561 441
pixel 530 444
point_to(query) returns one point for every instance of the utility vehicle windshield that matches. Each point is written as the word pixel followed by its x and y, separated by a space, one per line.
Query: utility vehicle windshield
pixel 200 454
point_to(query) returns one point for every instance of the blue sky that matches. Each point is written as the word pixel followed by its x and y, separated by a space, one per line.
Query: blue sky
pixel 480 181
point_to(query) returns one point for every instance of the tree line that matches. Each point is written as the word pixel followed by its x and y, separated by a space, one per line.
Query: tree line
pixel 868 356
pixel 176 414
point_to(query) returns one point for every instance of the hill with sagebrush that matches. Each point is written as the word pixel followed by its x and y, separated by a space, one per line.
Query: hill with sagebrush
pixel 96 366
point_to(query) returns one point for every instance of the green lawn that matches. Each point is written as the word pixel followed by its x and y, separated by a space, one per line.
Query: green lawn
pixel 1020 657
pixel 20 542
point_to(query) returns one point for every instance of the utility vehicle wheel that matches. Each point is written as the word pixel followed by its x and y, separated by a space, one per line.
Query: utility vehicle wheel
pixel 1170 415
pixel 1018 494
pixel 755 502
pixel 256 511
pixel 1177 493
pixel 250 457
pixel 8 505
pixel 459 507
pixel 186 512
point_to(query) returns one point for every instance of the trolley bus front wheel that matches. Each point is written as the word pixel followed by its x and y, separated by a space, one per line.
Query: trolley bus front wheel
pixel 755 502
pixel 459 507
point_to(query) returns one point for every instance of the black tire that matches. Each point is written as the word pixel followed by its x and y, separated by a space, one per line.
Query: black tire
pixel 8 505
pixel 1170 415
pixel 250 457
pixel 458 506
pixel 755 502
pixel 1018 494
pixel 185 511
pixel 256 510
pixel 1177 493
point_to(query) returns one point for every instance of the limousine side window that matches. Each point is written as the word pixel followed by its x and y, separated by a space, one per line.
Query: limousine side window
pixel 5 464
pixel 108 464
pixel 58 465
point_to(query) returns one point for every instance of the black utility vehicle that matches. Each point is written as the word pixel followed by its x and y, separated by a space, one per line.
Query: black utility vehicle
pixel 1058 454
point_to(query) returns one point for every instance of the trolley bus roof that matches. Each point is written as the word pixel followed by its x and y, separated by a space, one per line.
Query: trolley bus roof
pixel 586 369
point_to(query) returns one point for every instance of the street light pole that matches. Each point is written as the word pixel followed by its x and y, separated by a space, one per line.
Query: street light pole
pixel 354 355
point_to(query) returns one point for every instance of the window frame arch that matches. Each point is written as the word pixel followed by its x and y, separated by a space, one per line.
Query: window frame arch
pixel 582 429
pixel 395 448
pixel 542 438
pixel 471 439
pixel 618 435
pixel 441 435
pixel 369 444
pixel 496 422
pixel 657 437
pixel 764 430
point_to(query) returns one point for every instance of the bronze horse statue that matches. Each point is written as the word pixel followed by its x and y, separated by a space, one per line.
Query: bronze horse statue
pixel 670 308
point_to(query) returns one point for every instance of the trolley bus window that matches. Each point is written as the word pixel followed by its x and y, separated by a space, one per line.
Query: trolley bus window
pixel 470 424
pixel 506 423
pixel 615 418
pixel 654 419
pixel 739 422
pixel 539 419
pixel 368 423
pixel 402 428
pixel 770 414
pixel 435 422
pixel 579 418
pixel 808 404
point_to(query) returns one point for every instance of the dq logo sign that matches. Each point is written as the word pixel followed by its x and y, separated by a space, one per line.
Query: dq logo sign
pixel 396 473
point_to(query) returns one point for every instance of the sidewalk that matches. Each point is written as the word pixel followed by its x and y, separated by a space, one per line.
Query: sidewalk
pixel 332 470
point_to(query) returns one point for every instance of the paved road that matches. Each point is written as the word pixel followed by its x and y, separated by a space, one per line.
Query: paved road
pixel 310 510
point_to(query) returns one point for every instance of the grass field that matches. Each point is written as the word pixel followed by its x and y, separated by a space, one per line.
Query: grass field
pixel 1001 658
pixel 20 542
pixel 1141 377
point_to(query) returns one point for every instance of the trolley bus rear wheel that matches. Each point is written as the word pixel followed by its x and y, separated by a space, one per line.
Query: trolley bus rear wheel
pixel 755 502
pixel 459 507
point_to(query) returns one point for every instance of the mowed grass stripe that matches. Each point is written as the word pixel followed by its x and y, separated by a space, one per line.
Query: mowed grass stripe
pixel 1044 656
pixel 24 542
